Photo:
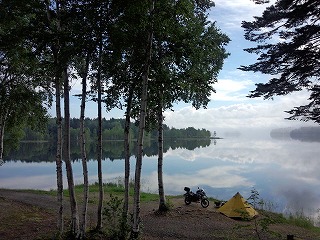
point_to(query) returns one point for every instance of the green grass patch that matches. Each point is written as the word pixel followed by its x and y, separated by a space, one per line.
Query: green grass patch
pixel 37 191
pixel 108 188
pixel 297 220
pixel 302 221
pixel 148 197
pixel 274 217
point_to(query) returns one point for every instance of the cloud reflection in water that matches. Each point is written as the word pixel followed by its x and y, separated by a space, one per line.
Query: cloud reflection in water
pixel 284 172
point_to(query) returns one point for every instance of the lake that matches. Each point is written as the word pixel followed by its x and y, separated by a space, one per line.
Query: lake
pixel 285 172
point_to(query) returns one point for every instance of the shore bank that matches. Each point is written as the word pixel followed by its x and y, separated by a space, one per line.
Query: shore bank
pixel 29 215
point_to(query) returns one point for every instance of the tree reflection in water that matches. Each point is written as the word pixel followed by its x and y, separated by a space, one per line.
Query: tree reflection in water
pixel 112 150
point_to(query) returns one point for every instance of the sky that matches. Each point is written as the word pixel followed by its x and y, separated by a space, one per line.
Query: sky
pixel 229 109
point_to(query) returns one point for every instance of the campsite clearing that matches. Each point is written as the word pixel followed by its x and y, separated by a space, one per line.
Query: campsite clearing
pixel 36 215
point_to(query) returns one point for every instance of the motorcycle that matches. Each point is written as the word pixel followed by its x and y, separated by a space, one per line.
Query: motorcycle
pixel 199 196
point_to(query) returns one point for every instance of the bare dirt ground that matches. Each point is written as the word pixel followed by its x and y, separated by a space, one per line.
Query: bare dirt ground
pixel 25 215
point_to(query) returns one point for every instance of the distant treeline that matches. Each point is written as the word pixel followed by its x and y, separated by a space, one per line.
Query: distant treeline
pixel 113 129
pixel 304 134
pixel 112 150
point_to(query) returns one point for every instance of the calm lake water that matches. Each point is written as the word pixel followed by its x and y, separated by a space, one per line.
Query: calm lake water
pixel 284 172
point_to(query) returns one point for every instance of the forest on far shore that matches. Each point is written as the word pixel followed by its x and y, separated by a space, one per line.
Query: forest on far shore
pixel 304 134
pixel 113 129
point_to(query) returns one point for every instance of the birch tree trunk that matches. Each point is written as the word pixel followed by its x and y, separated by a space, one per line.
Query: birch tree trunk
pixel 127 155
pixel 162 198
pixel 99 155
pixel 59 156
pixel 66 153
pixel 142 118
pixel 57 81
pixel 83 218
pixel 137 183
pixel 2 126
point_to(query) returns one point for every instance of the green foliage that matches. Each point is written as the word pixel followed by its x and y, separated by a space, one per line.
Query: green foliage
pixel 113 130
pixel 20 107
pixel 269 217
pixel 299 219
pixel 11 139
pixel 167 206
pixel 245 216
pixel 22 85
pixel 292 60
pixel 116 226
pixel 254 198
pixel 30 56
pixel 187 53
pixel 262 224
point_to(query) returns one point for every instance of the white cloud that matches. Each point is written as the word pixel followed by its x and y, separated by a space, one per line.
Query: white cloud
pixel 215 177
pixel 231 90
pixel 230 13
pixel 256 114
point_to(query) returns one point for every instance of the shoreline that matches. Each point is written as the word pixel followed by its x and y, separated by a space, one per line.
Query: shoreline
pixel 181 222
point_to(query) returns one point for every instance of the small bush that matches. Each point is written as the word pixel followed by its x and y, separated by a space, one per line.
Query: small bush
pixel 117 226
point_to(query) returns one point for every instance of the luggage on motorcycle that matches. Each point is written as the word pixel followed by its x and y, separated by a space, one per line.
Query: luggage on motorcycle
pixel 199 197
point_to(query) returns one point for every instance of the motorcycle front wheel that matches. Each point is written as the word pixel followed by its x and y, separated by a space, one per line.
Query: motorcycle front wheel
pixel 205 203
pixel 187 200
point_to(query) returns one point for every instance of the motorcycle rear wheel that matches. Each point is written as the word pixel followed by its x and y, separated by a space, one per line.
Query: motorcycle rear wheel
pixel 205 203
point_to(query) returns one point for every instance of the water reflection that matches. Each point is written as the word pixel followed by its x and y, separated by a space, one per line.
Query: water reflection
pixel 284 172
pixel 112 150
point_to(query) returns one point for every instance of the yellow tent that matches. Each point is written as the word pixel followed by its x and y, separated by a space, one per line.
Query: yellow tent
pixel 238 207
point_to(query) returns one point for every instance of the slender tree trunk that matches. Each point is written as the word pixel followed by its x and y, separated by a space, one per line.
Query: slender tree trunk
pixel 136 201
pixel 162 199
pixel 127 154
pixel 99 156
pixel 66 144
pixel 2 126
pixel 59 155
pixel 2 122
pixel 83 218
pixel 143 108
pixel 57 82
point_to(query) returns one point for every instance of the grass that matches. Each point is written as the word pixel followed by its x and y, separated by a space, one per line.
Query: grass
pixel 118 190
pixel 302 221
pixel 298 220
pixel 37 191
pixel 113 188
